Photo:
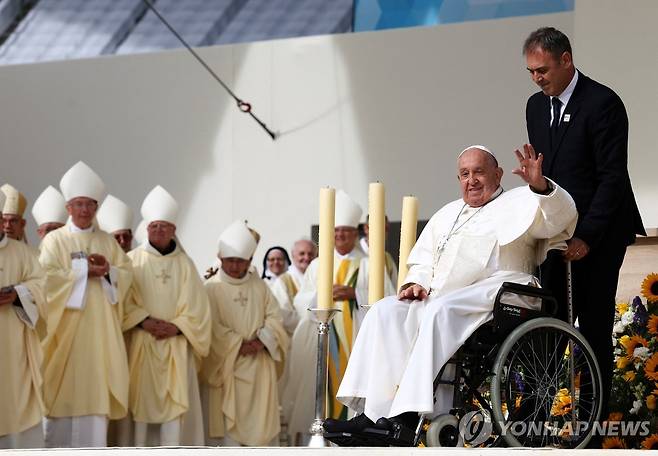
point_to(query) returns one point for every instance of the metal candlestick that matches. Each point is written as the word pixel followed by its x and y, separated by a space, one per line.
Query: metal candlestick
pixel 323 319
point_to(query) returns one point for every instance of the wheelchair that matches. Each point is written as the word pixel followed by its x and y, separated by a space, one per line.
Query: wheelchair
pixel 524 378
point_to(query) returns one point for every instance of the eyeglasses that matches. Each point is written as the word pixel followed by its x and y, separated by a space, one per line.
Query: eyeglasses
pixel 83 204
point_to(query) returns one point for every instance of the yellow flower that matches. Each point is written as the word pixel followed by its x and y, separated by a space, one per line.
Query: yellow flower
pixel 621 307
pixel 651 402
pixel 622 362
pixel 561 403
pixel 650 287
pixel 631 343
pixel 652 325
pixel 651 442
pixel 629 376
pixel 615 416
pixel 613 442
pixel 651 368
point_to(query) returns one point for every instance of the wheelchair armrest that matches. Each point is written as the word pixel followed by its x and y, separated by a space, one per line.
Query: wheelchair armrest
pixel 549 304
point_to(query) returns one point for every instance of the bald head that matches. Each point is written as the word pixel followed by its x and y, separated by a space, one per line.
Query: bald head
pixel 303 252
pixel 479 176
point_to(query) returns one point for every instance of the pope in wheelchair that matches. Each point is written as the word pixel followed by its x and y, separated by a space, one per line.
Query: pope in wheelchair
pixel 468 249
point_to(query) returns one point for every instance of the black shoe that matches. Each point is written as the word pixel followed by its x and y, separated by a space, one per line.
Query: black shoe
pixel 408 420
pixel 356 424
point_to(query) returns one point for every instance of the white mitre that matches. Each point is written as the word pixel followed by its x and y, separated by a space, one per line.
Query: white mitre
pixel 50 207
pixel 2 200
pixel 237 241
pixel 15 202
pixel 80 181
pixel 159 205
pixel 141 234
pixel 348 212
pixel 114 215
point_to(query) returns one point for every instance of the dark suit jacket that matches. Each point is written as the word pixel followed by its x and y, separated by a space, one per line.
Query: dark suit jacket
pixel 589 160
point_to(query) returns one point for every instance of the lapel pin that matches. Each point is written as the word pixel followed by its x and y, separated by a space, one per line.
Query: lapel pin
pixel 566 118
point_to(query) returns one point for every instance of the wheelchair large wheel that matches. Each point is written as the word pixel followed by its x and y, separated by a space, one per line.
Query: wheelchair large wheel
pixel 546 386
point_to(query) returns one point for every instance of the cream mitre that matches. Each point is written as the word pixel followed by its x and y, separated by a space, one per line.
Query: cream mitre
pixel 81 180
pixel 2 200
pixel 114 215
pixel 348 212
pixel 50 207
pixel 159 205
pixel 237 241
pixel 141 234
pixel 15 202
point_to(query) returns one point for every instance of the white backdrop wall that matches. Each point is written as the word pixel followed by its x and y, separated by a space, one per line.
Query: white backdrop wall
pixel 394 106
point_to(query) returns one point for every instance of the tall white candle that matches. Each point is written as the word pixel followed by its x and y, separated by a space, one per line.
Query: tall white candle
pixel 326 248
pixel 407 234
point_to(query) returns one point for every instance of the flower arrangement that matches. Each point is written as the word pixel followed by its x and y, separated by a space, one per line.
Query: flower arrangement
pixel 635 378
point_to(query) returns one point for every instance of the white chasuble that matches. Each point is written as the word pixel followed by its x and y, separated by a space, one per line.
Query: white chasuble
pixel 85 365
pixel 242 389
pixel 21 405
pixel 166 287
pixel 462 257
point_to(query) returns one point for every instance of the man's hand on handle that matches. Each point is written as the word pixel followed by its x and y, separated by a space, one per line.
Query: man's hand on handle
pixel 577 249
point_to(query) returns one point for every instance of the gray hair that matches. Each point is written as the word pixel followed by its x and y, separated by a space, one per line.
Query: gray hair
pixel 549 39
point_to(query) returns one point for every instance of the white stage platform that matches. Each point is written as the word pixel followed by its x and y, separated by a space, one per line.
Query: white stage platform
pixel 301 451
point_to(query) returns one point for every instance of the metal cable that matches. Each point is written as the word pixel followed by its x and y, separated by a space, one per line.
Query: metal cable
pixel 242 105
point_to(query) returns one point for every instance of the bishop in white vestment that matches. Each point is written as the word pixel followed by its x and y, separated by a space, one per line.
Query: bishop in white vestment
pixel 171 317
pixel 85 366
pixel 462 257
pixel 21 303
pixel 248 350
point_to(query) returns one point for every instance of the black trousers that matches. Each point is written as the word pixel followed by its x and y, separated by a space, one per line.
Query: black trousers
pixel 594 281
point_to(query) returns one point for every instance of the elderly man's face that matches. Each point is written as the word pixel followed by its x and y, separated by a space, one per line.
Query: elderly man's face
pixel 550 74
pixel 46 228
pixel 276 262
pixel 160 233
pixel 303 252
pixel 82 210
pixel 124 238
pixel 235 267
pixel 478 175
pixel 345 238
pixel 14 226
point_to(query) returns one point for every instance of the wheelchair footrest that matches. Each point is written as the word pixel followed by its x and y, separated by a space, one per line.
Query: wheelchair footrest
pixel 400 436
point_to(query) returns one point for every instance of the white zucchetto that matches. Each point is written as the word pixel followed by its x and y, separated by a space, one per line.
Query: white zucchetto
pixel 477 146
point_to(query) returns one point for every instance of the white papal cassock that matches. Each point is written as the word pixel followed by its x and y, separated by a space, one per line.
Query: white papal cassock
pixel 462 257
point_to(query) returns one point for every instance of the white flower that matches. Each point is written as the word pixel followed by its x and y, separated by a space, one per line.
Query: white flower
pixel 641 353
pixel 627 318
pixel 619 327
pixel 636 407
pixel 614 341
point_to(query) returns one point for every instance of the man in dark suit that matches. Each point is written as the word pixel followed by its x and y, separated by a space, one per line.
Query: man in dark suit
pixel 581 128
